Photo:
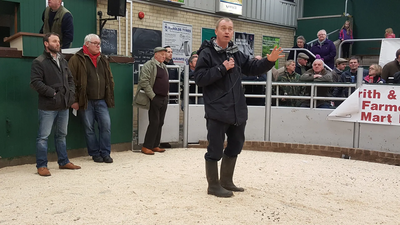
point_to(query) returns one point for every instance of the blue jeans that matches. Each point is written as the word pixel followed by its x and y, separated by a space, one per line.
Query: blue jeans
pixel 48 119
pixel 97 111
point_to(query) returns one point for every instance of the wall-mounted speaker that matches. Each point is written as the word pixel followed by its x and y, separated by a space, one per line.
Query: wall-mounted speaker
pixel 116 8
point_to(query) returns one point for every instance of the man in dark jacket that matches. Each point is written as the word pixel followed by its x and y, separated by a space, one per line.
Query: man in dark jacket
pixel 94 95
pixel 52 79
pixel 391 68
pixel 56 18
pixel 219 70
pixel 302 64
pixel 350 76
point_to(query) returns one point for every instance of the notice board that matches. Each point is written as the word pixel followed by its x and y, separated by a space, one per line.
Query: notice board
pixel 143 43
pixel 109 42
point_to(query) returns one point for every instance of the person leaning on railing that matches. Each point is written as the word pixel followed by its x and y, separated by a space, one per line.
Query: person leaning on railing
pixel 317 74
pixel 289 75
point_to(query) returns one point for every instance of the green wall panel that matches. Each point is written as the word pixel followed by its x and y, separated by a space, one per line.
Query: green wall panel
pixel 310 28
pixel 83 11
pixel 18 114
pixel 19 108
pixel 370 19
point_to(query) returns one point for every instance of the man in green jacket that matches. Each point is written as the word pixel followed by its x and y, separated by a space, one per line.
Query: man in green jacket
pixel 154 85
pixel 56 18
pixel 94 95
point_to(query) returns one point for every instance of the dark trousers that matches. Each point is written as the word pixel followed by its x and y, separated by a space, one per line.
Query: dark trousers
pixel 158 108
pixel 346 50
pixel 216 137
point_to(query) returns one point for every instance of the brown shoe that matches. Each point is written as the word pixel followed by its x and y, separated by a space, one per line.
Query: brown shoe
pixel 43 171
pixel 70 166
pixel 147 151
pixel 157 149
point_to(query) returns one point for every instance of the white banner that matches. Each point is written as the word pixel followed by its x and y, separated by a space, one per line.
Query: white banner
pixel 179 37
pixel 376 104
pixel 388 50
pixel 230 6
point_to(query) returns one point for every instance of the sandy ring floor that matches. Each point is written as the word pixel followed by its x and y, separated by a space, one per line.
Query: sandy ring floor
pixel 170 188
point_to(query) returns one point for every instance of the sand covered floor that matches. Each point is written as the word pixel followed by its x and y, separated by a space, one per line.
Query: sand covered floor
pixel 170 188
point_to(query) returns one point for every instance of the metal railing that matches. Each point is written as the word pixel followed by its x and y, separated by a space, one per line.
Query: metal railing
pixel 303 49
pixel 268 99
pixel 357 40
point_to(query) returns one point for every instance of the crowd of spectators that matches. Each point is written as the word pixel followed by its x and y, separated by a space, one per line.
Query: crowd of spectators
pixel 319 63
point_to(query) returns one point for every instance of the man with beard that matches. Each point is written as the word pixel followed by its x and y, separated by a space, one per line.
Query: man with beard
pixel 52 79
pixel 219 71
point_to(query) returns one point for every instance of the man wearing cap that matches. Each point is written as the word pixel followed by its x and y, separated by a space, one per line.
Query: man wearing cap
pixel 391 68
pixel 340 65
pixel 154 83
pixel 302 65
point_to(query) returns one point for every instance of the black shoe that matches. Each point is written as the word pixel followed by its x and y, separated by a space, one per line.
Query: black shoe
pixel 108 159
pixel 165 145
pixel 98 159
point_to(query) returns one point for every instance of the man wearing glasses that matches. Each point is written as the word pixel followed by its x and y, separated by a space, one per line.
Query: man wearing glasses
pixel 94 95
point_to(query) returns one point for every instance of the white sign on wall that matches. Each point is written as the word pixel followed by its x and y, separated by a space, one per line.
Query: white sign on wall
pixel 179 37
pixel 47 3
pixel 229 6
pixel 376 104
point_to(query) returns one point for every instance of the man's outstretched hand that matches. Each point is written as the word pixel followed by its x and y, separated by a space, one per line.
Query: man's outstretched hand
pixel 275 54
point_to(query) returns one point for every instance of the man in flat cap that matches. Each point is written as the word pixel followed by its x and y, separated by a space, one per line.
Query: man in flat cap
pixel 154 83
pixel 302 63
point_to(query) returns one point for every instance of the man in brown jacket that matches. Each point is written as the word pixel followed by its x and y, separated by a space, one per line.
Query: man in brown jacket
pixel 94 95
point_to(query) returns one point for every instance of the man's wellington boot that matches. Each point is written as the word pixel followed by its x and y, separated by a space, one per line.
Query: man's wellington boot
pixel 227 168
pixel 214 187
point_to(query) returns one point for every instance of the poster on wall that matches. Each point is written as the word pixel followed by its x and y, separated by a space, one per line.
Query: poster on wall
pixel 179 37
pixel 269 43
pixel 207 34
pixel 176 1
pixel 245 43
pixel 229 6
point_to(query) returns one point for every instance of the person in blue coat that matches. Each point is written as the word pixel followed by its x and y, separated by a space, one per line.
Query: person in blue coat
pixel 325 48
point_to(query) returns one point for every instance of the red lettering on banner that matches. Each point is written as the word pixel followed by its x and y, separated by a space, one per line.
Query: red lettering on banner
pixel 365 104
pixel 369 94
pixel 380 107
pixel 367 116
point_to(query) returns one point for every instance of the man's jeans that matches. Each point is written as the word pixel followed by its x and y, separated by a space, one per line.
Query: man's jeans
pixel 48 119
pixel 97 110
